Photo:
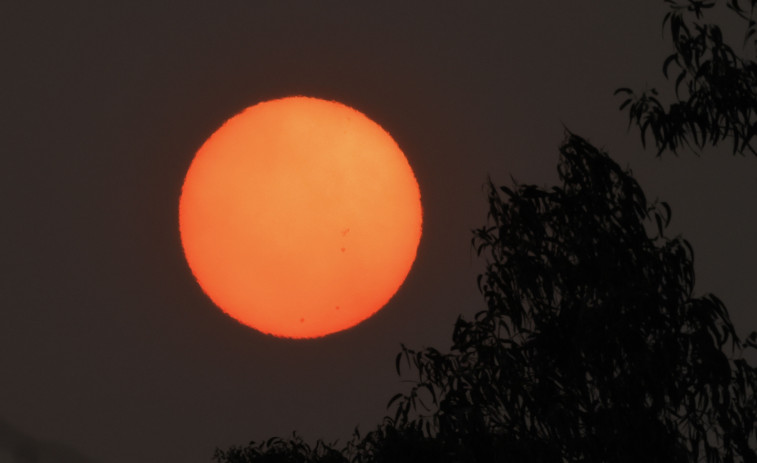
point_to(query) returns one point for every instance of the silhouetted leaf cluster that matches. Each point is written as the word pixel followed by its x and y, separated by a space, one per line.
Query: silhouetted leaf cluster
pixel 715 88
pixel 387 443
pixel 278 450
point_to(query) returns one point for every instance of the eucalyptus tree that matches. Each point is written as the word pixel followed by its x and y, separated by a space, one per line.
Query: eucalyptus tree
pixel 714 95
pixel 592 345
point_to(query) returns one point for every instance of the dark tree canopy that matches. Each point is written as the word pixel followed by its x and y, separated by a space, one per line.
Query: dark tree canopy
pixel 715 85
pixel 591 347
pixel 278 450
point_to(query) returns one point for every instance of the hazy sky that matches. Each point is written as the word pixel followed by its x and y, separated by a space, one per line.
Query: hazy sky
pixel 108 347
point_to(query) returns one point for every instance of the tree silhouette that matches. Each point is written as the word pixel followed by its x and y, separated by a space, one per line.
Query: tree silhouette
pixel 278 450
pixel 715 96
pixel 592 346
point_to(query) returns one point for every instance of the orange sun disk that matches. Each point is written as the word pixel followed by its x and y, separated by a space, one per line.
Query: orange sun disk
pixel 300 217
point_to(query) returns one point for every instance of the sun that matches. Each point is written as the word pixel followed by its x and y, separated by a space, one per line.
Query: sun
pixel 300 217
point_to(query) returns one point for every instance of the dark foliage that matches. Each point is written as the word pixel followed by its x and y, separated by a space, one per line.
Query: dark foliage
pixel 388 443
pixel 392 442
pixel 592 346
pixel 715 88
pixel 277 450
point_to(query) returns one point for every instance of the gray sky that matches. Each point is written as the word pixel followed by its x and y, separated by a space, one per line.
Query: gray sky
pixel 107 344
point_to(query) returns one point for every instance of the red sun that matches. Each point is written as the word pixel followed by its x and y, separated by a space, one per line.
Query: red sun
pixel 300 217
